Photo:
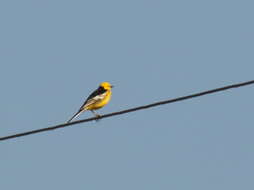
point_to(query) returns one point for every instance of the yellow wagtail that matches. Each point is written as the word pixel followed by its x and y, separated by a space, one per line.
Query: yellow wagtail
pixel 99 98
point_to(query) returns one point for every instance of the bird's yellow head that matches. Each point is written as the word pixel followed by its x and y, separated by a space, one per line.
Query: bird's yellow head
pixel 106 85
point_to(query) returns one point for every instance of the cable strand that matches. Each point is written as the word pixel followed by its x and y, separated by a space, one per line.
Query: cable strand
pixel 129 110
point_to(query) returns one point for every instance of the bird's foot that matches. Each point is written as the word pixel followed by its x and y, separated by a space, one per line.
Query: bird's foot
pixel 98 117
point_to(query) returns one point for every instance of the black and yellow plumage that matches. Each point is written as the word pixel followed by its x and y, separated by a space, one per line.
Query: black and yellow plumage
pixel 96 100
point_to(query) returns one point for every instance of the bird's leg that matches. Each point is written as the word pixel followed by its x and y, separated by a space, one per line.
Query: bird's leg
pixel 96 115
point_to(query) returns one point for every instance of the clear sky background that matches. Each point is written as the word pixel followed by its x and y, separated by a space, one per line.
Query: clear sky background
pixel 54 53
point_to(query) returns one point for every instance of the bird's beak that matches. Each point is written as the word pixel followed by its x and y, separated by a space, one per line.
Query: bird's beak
pixel 112 86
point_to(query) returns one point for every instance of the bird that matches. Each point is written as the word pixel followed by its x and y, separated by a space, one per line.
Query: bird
pixel 96 100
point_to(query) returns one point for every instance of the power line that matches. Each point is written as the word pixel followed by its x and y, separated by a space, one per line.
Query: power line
pixel 130 110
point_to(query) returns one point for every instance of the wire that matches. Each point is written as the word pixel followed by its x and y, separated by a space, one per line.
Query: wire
pixel 129 110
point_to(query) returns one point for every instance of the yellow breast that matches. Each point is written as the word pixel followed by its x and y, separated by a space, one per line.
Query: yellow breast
pixel 102 102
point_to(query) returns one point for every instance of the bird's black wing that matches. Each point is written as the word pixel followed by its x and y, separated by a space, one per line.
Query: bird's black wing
pixel 96 95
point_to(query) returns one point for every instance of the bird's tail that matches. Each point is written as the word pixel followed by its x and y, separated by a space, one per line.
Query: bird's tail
pixel 76 115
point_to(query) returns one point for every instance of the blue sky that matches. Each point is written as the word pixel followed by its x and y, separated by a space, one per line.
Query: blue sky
pixel 53 54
